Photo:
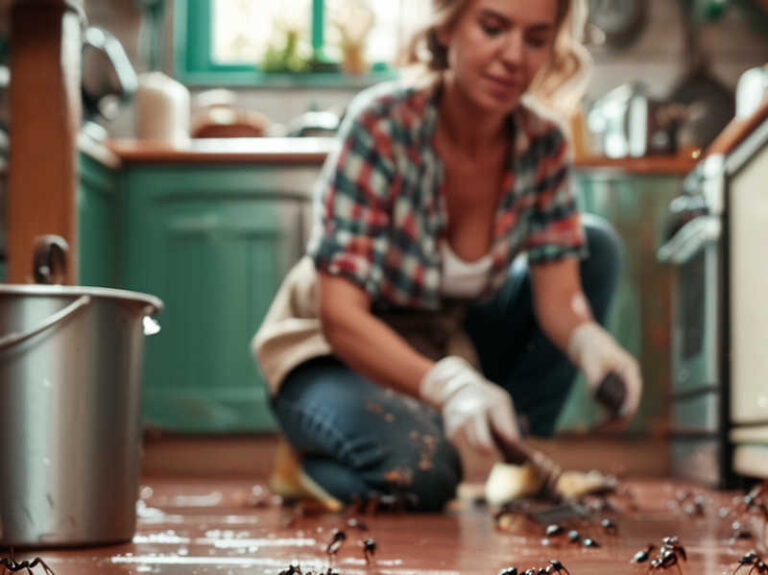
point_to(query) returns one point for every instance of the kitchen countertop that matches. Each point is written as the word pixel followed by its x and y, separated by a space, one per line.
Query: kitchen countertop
pixel 738 130
pixel 680 164
pixel 314 150
pixel 225 151
pixel 98 151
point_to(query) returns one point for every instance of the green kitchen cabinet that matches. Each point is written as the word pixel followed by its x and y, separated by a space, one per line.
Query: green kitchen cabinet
pixel 213 242
pixel 97 203
pixel 640 315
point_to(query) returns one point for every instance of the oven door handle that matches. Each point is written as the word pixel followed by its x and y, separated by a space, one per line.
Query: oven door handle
pixel 689 239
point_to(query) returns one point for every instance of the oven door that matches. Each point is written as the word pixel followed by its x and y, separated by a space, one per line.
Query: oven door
pixel 695 250
pixel 696 443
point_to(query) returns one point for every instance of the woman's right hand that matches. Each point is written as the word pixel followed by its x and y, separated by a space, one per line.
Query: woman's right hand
pixel 471 406
pixel 597 354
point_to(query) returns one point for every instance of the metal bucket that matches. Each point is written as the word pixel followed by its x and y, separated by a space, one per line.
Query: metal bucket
pixel 70 430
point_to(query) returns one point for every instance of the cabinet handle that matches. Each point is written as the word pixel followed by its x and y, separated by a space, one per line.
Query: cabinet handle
pixel 689 239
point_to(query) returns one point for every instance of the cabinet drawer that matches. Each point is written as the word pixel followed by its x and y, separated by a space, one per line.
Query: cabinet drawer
pixel 220 182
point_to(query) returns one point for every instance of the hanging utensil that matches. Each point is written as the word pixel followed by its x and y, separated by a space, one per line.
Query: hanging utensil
pixel 711 104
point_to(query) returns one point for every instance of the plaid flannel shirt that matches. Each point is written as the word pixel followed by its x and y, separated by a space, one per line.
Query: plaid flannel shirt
pixel 380 213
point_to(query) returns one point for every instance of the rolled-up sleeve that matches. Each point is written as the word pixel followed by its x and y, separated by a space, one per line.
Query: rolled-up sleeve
pixel 555 230
pixel 353 202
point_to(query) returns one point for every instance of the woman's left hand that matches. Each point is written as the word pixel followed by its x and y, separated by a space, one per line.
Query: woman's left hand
pixel 593 350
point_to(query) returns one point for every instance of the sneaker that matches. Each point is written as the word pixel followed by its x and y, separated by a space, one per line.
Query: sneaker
pixel 289 481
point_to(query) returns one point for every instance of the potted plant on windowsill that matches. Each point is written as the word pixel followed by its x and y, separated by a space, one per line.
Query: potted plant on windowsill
pixel 354 29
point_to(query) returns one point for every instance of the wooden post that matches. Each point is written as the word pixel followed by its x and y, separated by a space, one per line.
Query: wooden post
pixel 46 39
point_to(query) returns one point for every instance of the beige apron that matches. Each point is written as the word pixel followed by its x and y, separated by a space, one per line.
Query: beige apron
pixel 291 333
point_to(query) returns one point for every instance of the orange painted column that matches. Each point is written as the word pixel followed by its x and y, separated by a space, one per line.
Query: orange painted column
pixel 46 110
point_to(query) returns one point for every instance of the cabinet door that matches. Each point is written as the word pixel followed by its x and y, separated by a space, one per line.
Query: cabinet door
pixel 97 203
pixel 639 316
pixel 748 282
pixel 214 246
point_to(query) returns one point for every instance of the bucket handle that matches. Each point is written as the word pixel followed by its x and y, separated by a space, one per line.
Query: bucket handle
pixel 12 339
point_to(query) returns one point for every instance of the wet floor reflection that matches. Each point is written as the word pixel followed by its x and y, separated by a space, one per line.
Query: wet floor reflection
pixel 236 527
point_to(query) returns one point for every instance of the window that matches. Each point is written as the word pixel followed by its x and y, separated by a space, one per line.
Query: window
pixel 291 42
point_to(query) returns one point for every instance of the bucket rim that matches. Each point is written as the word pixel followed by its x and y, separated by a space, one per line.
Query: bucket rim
pixel 153 302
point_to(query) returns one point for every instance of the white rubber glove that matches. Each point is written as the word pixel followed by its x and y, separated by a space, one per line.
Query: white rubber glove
pixel 470 404
pixel 594 351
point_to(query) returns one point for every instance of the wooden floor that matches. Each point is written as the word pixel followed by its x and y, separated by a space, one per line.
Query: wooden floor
pixel 218 526
pixel 250 456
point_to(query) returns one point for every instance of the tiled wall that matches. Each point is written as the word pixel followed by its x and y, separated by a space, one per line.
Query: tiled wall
pixel 657 58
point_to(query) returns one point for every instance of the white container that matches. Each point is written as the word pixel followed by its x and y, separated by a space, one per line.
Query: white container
pixel 751 91
pixel 162 109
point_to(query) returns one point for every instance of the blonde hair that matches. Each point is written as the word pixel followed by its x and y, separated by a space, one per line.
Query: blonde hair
pixel 559 85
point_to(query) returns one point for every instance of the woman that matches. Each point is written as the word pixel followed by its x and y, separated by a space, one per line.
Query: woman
pixel 411 326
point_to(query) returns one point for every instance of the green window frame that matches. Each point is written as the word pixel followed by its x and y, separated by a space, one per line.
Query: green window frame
pixel 194 65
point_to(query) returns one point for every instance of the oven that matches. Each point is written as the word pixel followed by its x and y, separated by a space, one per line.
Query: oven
pixel 718 233
pixel 695 247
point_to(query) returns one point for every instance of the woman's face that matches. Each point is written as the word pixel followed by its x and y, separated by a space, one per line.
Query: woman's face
pixel 496 48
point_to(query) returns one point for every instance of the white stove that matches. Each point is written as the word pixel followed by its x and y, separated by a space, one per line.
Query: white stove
pixel 719 247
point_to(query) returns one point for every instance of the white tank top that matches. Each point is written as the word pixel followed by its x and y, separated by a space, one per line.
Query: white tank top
pixel 462 279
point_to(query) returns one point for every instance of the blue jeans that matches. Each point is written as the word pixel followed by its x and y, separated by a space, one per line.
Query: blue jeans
pixel 359 440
